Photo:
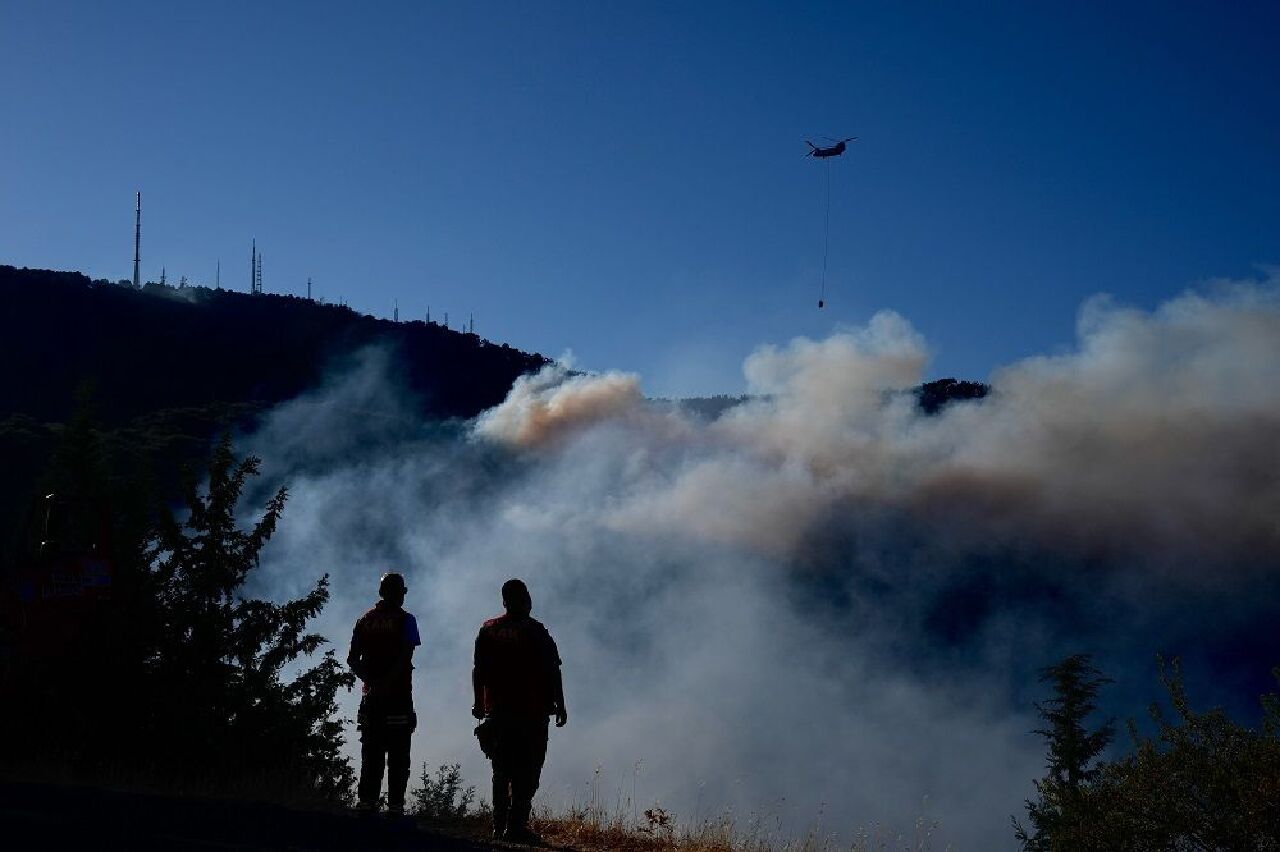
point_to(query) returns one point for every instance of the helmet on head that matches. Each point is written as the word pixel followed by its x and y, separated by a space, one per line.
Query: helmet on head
pixel 392 583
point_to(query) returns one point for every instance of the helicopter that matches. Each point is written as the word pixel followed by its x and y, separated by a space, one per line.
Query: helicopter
pixel 834 151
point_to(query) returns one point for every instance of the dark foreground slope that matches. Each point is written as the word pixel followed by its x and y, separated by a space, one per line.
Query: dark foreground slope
pixel 36 816
pixel 160 348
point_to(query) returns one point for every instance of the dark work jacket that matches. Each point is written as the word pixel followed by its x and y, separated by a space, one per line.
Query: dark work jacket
pixel 517 665
pixel 381 644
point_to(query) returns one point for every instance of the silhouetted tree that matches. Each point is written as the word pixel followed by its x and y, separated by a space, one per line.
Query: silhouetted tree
pixel 1202 782
pixel 217 657
pixel 1064 807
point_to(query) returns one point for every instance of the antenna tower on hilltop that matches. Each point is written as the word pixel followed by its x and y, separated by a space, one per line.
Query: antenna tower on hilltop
pixel 255 268
pixel 308 288
pixel 137 241
pixel 395 312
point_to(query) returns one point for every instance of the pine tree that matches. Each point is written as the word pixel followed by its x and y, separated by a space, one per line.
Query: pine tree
pixel 1062 810
pixel 217 657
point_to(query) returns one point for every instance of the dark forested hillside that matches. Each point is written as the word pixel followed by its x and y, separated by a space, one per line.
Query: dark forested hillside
pixel 135 383
pixel 160 348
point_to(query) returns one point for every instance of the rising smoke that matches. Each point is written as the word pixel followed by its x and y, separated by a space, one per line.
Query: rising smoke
pixel 821 601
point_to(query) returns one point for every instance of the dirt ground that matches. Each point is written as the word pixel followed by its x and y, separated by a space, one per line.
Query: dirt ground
pixel 41 816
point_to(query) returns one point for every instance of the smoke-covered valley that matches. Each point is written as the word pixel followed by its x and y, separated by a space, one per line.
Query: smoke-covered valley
pixel 822 604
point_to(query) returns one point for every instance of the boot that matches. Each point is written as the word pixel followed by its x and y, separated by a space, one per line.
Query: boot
pixel 524 835
pixel 518 830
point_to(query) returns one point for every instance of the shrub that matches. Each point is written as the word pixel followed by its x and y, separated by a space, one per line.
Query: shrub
pixel 1202 781
pixel 442 798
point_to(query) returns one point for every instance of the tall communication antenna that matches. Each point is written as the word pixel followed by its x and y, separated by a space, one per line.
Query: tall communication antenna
pixel 308 288
pixel 471 324
pixel 395 312
pixel 217 276
pixel 257 287
pixel 137 241
pixel 253 267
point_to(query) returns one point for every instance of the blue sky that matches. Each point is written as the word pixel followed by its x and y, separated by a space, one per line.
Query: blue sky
pixel 626 180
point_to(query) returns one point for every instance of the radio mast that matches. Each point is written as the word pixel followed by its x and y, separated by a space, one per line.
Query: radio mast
pixel 137 241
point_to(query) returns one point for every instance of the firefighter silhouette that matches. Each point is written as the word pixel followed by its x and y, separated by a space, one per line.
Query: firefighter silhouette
pixel 517 685
pixel 381 656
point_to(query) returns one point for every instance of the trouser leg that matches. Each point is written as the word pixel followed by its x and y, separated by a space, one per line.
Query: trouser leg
pixel 372 755
pixel 531 752
pixel 501 797
pixel 521 799
pixel 397 765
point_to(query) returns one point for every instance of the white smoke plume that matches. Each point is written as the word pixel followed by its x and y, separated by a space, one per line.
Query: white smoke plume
pixel 761 612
